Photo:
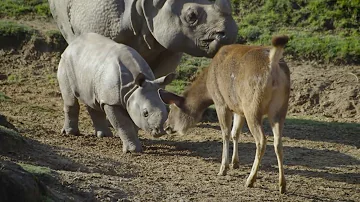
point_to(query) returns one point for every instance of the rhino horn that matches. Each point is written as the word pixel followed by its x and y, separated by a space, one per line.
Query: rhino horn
pixel 224 6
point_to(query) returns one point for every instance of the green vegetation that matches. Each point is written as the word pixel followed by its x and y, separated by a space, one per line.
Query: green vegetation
pixel 54 35
pixel 38 171
pixel 18 8
pixel 9 139
pixel 43 174
pixel 9 132
pixel 11 29
pixel 177 86
pixel 13 34
pixel 322 30
pixel 52 79
pixel 187 70
pixel 4 97
pixel 13 78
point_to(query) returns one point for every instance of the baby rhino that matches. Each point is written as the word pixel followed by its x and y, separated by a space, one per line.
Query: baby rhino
pixel 114 82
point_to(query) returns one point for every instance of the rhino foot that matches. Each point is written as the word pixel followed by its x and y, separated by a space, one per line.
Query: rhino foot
pixel 132 148
pixel 70 131
pixel 101 134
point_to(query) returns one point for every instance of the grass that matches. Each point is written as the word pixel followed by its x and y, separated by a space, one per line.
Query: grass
pixel 38 171
pixel 13 34
pixel 42 173
pixel 4 97
pixel 54 35
pixel 186 72
pixel 52 79
pixel 9 132
pixel 334 49
pixel 20 8
pixel 322 30
pixel 177 86
pixel 9 139
pixel 10 28
pixel 13 78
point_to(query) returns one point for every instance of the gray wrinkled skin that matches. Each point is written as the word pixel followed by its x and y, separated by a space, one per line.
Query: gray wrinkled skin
pixel 114 82
pixel 160 30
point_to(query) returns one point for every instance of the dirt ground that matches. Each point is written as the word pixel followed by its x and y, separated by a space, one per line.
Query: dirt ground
pixel 321 143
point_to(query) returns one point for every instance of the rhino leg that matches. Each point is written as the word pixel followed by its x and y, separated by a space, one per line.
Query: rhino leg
pixel 100 123
pixel 124 126
pixel 71 103
pixel 71 110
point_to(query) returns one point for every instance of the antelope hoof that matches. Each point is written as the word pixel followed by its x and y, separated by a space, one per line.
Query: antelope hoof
pixel 249 183
pixel 235 165
pixel 223 171
pixel 282 188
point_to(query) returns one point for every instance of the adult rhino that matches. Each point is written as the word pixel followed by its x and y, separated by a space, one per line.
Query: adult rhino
pixel 160 30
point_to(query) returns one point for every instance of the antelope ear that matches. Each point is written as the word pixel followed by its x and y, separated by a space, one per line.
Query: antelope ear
pixel 171 98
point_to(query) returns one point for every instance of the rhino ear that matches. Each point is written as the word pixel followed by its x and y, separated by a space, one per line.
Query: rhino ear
pixel 165 80
pixel 140 79
pixel 134 18
pixel 158 3
pixel 147 9
pixel 171 98
pixel 150 10
pixel 224 6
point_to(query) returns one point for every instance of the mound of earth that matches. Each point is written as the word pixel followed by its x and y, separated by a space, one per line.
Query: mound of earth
pixel 10 140
pixel 19 185
pixel 325 90
pixel 16 183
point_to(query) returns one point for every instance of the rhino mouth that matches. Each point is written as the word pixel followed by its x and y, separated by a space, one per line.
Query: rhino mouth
pixel 212 43
pixel 169 130
pixel 158 132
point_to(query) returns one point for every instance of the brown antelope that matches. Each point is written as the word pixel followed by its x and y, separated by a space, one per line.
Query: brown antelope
pixel 248 82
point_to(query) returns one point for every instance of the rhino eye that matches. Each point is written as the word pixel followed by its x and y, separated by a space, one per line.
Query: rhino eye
pixel 145 113
pixel 192 18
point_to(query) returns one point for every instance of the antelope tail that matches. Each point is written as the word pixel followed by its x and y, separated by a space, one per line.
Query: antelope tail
pixel 276 52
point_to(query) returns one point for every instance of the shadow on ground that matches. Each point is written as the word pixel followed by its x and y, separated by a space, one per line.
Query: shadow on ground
pixel 318 162
pixel 45 163
pixel 303 129
pixel 333 132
